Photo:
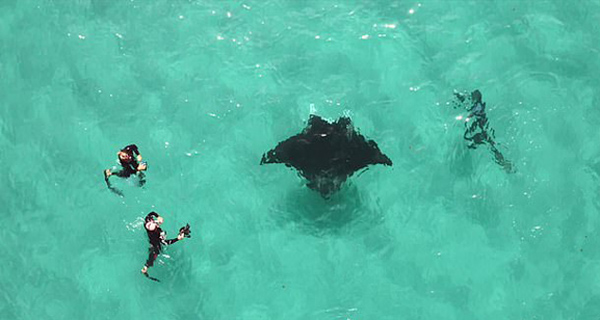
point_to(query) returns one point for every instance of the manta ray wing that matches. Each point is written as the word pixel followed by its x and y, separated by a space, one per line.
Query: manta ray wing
pixel 326 154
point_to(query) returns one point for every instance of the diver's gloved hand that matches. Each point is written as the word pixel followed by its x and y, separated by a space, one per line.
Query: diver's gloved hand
pixel 460 96
pixel 184 232
pixel 142 166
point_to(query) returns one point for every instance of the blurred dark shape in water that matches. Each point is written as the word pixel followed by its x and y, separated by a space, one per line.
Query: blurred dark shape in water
pixel 477 128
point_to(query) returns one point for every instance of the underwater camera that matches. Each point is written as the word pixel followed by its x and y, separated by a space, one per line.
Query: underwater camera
pixel 185 231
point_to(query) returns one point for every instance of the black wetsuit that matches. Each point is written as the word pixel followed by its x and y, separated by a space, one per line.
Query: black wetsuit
pixel 478 131
pixel 129 166
pixel 157 239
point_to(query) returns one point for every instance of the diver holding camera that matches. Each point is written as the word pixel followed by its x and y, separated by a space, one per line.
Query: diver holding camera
pixel 157 239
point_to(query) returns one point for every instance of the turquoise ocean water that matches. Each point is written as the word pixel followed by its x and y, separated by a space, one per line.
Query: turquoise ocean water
pixel 205 87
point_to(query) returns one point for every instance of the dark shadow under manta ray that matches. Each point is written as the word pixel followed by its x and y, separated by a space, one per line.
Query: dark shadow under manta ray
pixel 326 154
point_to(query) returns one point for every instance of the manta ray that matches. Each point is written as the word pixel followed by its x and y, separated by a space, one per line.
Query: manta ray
pixel 326 154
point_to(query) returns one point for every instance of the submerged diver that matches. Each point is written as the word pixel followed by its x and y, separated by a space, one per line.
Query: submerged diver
pixel 477 127
pixel 129 166
pixel 157 239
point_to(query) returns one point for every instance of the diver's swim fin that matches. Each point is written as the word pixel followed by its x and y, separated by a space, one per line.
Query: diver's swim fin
pixel 150 277
pixel 111 188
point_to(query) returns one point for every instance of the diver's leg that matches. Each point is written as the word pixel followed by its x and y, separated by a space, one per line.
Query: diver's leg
pixel 472 139
pixel 466 135
pixel 142 177
pixel 121 173
pixel 472 126
pixel 499 158
pixel 107 174
pixel 152 255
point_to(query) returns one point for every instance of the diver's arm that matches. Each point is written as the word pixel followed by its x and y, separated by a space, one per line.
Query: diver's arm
pixel 179 237
pixel 171 241
pixel 138 165
pixel 133 148
pixel 135 151
pixel 461 97
pixel 151 216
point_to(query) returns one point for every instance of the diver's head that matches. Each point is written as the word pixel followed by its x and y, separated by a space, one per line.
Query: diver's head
pixel 124 156
pixel 476 96
pixel 155 222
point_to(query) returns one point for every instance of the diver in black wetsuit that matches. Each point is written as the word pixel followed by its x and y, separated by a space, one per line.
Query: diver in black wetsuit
pixel 478 131
pixel 129 166
pixel 157 239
